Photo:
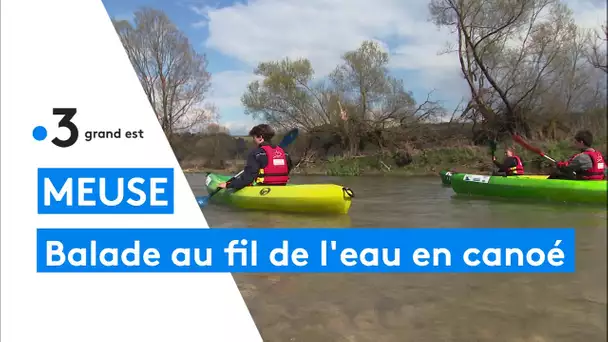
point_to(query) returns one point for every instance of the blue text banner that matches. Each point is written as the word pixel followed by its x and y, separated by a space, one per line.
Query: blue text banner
pixel 369 250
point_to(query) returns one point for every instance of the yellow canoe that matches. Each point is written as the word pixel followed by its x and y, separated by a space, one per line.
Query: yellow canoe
pixel 300 198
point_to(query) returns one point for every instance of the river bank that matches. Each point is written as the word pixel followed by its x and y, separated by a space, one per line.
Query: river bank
pixel 323 171
pixel 427 162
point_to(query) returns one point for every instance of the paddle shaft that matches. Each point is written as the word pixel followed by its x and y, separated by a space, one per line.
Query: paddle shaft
pixel 493 152
pixel 218 189
pixel 549 158
pixel 528 147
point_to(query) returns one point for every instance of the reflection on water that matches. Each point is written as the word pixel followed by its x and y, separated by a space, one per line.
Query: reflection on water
pixel 428 307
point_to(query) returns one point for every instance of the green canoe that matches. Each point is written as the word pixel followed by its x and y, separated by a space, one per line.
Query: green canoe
pixel 446 176
pixel 300 198
pixel 539 188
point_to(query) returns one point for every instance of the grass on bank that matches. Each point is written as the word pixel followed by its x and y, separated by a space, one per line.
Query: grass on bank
pixel 424 162
pixel 431 161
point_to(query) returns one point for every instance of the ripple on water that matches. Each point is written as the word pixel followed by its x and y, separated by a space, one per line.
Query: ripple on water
pixel 428 307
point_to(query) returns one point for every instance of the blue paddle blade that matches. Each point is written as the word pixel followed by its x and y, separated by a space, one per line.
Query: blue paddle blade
pixel 289 137
pixel 202 200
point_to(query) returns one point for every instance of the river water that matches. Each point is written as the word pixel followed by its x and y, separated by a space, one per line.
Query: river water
pixel 428 307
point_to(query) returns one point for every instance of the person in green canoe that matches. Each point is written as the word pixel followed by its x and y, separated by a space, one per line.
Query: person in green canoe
pixel 266 164
pixel 587 164
pixel 510 166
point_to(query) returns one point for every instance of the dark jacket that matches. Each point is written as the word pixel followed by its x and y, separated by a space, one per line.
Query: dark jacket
pixel 256 160
pixel 506 164
pixel 580 162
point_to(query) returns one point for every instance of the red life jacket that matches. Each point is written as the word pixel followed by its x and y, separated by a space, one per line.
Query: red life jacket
pixel 596 172
pixel 518 169
pixel 276 171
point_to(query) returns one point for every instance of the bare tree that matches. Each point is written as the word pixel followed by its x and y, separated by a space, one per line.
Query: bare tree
pixel 214 128
pixel 172 73
pixel 509 53
pixel 597 54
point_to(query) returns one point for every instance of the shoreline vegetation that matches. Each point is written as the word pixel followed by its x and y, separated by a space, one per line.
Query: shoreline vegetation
pixel 526 68
pixel 429 162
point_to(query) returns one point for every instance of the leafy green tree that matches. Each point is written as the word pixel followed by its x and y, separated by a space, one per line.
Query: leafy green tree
pixel 359 98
